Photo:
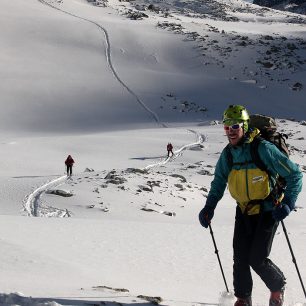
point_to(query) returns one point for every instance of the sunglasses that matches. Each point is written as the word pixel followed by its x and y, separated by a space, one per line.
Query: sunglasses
pixel 233 127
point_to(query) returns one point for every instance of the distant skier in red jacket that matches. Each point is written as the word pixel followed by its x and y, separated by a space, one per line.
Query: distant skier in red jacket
pixel 69 163
pixel 169 149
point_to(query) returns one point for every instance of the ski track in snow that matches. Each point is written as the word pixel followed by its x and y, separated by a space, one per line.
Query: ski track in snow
pixel 35 209
pixel 32 204
pixel 109 61
pixel 200 139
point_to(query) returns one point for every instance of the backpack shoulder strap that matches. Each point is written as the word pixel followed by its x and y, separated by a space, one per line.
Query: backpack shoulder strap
pixel 230 160
pixel 229 156
pixel 255 155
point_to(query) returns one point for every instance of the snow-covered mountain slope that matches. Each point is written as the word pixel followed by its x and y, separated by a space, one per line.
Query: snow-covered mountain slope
pixel 112 84
pixel 66 56
pixel 128 221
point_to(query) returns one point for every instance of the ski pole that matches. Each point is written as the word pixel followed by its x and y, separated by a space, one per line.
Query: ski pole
pixel 217 253
pixel 293 257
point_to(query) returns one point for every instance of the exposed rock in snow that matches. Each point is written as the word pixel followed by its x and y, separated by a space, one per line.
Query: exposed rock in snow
pixel 89 170
pixel 60 192
pixel 181 177
pixel 297 86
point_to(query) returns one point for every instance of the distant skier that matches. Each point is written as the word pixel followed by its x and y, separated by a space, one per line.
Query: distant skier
pixel 169 149
pixel 69 163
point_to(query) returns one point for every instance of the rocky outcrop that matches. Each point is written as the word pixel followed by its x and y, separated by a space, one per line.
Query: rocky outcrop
pixel 294 6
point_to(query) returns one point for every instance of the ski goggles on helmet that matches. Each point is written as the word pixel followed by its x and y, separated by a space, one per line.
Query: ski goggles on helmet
pixel 235 126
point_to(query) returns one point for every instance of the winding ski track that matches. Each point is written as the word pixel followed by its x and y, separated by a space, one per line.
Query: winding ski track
pixel 200 139
pixel 109 61
pixel 32 205
pixel 34 208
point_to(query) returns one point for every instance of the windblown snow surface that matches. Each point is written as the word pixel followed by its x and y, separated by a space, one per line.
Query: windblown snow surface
pixel 111 83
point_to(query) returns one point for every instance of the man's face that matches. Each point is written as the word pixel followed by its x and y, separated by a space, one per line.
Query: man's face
pixel 234 132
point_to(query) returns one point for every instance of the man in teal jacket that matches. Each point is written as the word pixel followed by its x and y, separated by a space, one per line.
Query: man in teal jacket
pixel 257 216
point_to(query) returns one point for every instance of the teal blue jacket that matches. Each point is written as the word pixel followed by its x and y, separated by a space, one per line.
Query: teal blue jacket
pixel 276 163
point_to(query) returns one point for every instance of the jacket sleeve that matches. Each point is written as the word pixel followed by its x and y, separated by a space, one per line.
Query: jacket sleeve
pixel 277 162
pixel 219 182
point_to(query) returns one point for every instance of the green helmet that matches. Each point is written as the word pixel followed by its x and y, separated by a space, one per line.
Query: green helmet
pixel 236 114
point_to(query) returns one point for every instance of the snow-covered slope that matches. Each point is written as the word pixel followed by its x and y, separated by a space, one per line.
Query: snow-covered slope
pixel 112 84
pixel 65 56
pixel 126 225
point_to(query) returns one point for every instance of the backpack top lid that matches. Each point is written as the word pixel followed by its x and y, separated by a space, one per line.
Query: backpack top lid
pixel 268 131
pixel 266 124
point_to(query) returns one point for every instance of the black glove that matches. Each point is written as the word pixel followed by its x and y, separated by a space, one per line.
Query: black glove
pixel 207 213
pixel 283 210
